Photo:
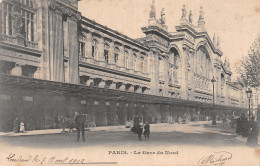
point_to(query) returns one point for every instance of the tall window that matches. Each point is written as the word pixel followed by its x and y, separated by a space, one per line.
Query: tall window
pixel 28 19
pixel 94 48
pixel 82 45
pixel 6 19
pixel 82 49
pixel 106 53
pixel 202 65
pixel 116 54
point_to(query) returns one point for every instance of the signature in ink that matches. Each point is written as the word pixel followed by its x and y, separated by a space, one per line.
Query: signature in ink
pixel 216 158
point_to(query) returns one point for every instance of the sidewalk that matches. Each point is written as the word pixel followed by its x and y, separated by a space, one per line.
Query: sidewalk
pixel 101 128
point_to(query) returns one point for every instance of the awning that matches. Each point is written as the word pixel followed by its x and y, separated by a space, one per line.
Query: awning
pixel 82 91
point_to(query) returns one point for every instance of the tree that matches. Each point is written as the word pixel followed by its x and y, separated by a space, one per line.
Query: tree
pixel 249 71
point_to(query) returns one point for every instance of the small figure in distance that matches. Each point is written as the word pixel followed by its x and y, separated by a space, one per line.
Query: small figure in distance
pixel 22 127
pixel 80 125
pixel 146 130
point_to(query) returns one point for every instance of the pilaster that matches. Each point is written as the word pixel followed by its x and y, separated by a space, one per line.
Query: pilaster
pixel 101 47
pixel 111 53
pixel 89 45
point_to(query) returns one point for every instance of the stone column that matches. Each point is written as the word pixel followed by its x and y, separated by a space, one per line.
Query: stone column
pixel 121 59
pixel 73 56
pixel 101 48
pixel 153 65
pixel 138 62
pixel 166 80
pixel 56 45
pixel 183 73
pixel 17 70
pixel 130 59
pixel 89 45
pixel 145 65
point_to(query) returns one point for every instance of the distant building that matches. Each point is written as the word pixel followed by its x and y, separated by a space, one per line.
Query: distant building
pixel 255 101
pixel 55 62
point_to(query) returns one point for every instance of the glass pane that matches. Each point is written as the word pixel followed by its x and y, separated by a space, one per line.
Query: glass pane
pixel 5 22
pixel 27 2
pixel 32 16
pixel 28 30
pixel 32 31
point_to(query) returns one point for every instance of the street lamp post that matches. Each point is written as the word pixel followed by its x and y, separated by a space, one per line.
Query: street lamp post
pixel 214 121
pixel 249 95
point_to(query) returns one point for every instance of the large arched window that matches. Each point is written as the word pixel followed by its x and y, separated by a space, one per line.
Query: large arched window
pixel 202 62
pixel 174 66
pixel 94 48
pixel 28 16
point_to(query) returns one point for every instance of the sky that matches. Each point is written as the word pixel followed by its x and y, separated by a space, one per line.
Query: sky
pixel 236 22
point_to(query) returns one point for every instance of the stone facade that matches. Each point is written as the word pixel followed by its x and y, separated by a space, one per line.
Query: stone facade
pixel 49 40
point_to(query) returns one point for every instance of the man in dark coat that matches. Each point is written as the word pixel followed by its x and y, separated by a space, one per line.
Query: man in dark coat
pixel 80 126
pixel 139 129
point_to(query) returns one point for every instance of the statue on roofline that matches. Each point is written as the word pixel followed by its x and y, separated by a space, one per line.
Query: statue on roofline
pixel 201 17
pixel 163 20
pixel 183 12
pixel 190 17
pixel 152 12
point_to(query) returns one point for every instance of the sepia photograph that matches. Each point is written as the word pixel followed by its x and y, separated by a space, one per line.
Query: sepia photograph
pixel 129 82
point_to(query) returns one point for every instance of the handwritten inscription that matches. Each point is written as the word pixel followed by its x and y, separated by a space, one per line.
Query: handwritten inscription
pixel 12 157
pixel 217 158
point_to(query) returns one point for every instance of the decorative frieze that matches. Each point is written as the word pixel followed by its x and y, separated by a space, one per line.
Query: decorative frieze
pixel 60 8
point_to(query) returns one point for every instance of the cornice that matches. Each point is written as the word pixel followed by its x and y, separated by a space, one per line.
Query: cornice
pixel 60 8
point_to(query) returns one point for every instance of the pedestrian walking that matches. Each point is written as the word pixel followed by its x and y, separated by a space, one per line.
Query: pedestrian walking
pixel 22 127
pixel 252 139
pixel 139 128
pixel 80 126
pixel 147 130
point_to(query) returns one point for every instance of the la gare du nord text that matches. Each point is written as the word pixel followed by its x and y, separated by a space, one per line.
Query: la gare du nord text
pixel 144 152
